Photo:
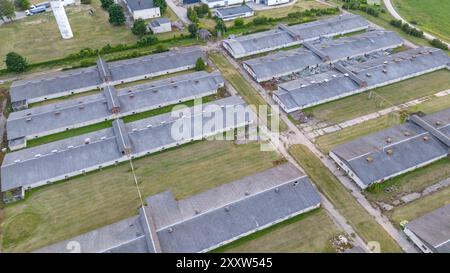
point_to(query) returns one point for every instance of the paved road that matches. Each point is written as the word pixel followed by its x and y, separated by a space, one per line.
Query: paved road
pixel 397 16
pixel 181 12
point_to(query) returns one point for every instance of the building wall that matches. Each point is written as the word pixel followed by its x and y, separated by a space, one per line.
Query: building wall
pixel 275 2
pixel 163 28
pixel 242 15
pixel 222 3
pixel 146 13
pixel 419 243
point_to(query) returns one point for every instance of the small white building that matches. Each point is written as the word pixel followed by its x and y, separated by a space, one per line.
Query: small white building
pixel 271 2
pixel 160 25
pixel 221 3
pixel 231 13
pixel 144 9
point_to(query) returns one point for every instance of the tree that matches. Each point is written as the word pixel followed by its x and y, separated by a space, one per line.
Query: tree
pixel 239 22
pixel 116 15
pixel 161 4
pixel 192 15
pixel 22 4
pixel 86 2
pixel 193 30
pixel 15 62
pixel 439 44
pixel 200 64
pixel 7 9
pixel 220 27
pixel 148 40
pixel 106 4
pixel 139 27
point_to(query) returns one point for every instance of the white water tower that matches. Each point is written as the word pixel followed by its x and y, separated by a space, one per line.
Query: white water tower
pixel 61 19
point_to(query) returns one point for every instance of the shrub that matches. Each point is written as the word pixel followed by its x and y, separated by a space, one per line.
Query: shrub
pixel 22 4
pixel 148 40
pixel 161 48
pixel 260 20
pixel 116 15
pixel 193 30
pixel 200 64
pixel 86 2
pixel 439 44
pixel 15 62
pixel 139 27
pixel 106 4
pixel 239 22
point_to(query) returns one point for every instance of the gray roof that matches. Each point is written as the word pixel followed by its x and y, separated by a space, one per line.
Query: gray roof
pixel 56 160
pixel 159 21
pixel 286 62
pixel 89 78
pixel 203 221
pixel 277 38
pixel 434 228
pixel 140 4
pixel 395 150
pixel 95 108
pixel 330 85
pixel 126 236
pixel 233 11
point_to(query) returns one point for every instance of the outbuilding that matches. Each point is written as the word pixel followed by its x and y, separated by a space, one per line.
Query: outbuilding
pixel 160 25
pixel 231 13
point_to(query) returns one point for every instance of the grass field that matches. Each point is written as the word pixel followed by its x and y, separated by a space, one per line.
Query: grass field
pixel 431 15
pixel 363 223
pixel 419 207
pixel 248 93
pixel 397 93
pixel 310 232
pixel 38 39
pixel 60 211
pixel 329 141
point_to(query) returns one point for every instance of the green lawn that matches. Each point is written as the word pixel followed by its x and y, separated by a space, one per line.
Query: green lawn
pixel 363 223
pixel 397 93
pixel 38 39
pixel 248 93
pixel 310 232
pixel 419 207
pixel 431 15
pixel 329 141
pixel 60 211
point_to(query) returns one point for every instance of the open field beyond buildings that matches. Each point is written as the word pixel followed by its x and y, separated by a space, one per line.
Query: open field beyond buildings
pixel 363 223
pixel 419 207
pixel 69 208
pixel 310 232
pixel 431 16
pixel 397 93
pixel 248 93
pixel 37 37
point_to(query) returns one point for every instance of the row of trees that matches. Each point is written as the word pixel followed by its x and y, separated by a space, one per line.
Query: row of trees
pixel 197 12
pixel 7 10
pixel 361 5
pixel 407 28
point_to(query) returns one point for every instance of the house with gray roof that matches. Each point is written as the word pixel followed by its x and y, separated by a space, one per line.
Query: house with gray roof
pixel 160 25
pixel 205 221
pixel 33 167
pixel 110 104
pixel 386 154
pixel 344 81
pixel 321 51
pixel 286 36
pixel 431 232
pixel 142 9
pixel 24 92
pixel 234 12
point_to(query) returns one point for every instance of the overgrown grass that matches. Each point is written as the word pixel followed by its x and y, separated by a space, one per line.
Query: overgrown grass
pixel 363 223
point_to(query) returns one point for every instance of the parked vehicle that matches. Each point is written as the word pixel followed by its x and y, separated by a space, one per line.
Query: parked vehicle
pixel 35 10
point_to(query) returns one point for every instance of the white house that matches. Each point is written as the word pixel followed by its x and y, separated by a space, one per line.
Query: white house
pixel 231 13
pixel 271 2
pixel 160 25
pixel 221 3
pixel 144 9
